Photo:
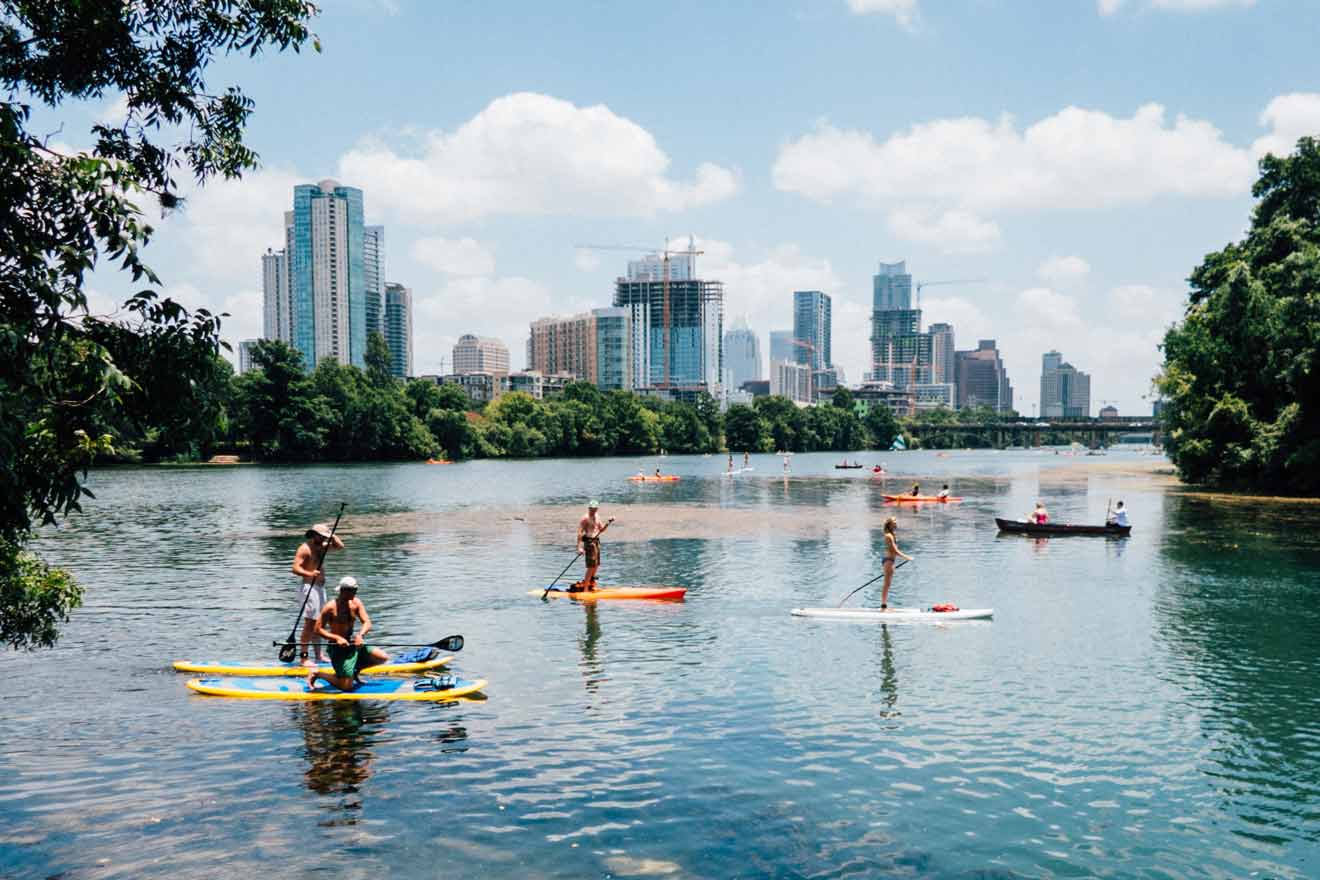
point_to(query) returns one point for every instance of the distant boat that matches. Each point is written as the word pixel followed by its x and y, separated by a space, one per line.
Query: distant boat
pixel 1026 528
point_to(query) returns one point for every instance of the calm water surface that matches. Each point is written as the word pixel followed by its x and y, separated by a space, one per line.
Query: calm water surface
pixel 1138 708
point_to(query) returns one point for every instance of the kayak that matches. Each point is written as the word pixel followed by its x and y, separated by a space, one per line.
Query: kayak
pixel 617 593
pixel 438 461
pixel 895 615
pixel 1011 525
pixel 666 478
pixel 229 667
pixel 416 689
pixel 919 498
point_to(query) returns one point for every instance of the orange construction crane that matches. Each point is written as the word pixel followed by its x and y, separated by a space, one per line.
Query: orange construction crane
pixel 921 284
pixel 690 251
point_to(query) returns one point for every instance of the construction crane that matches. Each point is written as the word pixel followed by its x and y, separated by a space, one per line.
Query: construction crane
pixel 921 284
pixel 690 251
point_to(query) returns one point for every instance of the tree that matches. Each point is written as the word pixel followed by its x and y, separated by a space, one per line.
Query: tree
pixel 377 359
pixel 1241 372
pixel 842 398
pixel 60 382
pixel 881 425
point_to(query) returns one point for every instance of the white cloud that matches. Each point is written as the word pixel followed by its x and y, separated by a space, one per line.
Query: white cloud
pixel 1289 117
pixel 528 153
pixel 954 231
pixel 903 11
pixel 227 225
pixel 114 112
pixel 1109 7
pixel 1153 306
pixel 454 256
pixel 1063 271
pixel 1045 308
pixel 485 306
pixel 586 259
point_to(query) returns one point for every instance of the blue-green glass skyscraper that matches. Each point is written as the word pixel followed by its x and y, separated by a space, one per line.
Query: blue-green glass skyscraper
pixel 327 271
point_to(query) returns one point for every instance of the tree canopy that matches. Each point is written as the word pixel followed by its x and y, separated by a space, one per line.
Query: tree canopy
pixel 1241 372
pixel 69 380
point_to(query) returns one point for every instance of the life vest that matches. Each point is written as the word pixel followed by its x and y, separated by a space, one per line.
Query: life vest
pixel 944 607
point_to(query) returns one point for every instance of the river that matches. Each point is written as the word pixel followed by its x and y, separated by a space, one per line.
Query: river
pixel 1144 707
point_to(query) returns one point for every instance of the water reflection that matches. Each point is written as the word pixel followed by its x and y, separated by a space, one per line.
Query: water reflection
pixel 593 670
pixel 338 736
pixel 888 675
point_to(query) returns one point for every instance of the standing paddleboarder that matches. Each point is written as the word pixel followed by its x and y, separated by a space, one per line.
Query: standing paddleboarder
pixel 891 553
pixel 349 653
pixel 590 528
pixel 307 564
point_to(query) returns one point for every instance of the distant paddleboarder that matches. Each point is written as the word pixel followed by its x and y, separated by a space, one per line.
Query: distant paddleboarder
pixel 891 553
pixel 306 562
pixel 590 528
pixel 1119 517
pixel 944 493
pixel 349 653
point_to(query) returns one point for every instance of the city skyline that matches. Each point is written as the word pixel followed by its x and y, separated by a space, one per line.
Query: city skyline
pixel 487 191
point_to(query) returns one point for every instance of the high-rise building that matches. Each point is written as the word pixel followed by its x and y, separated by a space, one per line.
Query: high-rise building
pixel 982 380
pixel 742 355
pixel 811 329
pixel 398 329
pixel 791 380
pixel 277 304
pixel 900 353
pixel 677 340
pixel 781 346
pixel 480 354
pixel 373 273
pixel 942 370
pixel 245 349
pixel 327 273
pixel 682 266
pixel 1065 391
pixel 594 346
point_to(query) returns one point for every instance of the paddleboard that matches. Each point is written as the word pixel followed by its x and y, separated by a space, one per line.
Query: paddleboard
pixel 229 667
pixel 616 593
pixel 667 478
pixel 414 689
pixel 895 615
pixel 918 498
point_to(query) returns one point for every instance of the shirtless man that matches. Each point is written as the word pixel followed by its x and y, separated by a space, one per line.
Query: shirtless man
pixel 590 528
pixel 311 579
pixel 348 652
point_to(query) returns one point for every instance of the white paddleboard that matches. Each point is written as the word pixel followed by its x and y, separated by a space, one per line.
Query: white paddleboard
pixel 895 615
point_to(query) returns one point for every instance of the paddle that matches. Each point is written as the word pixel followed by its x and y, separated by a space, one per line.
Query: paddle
pixel 290 649
pixel 574 559
pixel 871 581
pixel 448 643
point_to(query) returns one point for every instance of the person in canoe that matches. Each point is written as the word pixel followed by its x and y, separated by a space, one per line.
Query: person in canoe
pixel 311 580
pixel 657 473
pixel 1040 516
pixel 891 554
pixel 746 459
pixel 944 492
pixel 349 652
pixel 1119 517
pixel 590 528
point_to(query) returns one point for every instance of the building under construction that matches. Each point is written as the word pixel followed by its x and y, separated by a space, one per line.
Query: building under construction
pixel 677 332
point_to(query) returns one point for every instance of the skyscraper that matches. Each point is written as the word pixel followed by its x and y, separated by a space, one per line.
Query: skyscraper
pixel 742 355
pixel 982 380
pixel 245 349
pixel 941 354
pixel 690 355
pixel 900 352
pixel 327 273
pixel 811 329
pixel 594 346
pixel 781 347
pixel 613 349
pixel 1065 391
pixel 480 354
pixel 398 328
pixel 373 269
pixel 277 310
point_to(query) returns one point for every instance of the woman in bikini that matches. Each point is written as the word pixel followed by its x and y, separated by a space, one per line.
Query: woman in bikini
pixel 891 553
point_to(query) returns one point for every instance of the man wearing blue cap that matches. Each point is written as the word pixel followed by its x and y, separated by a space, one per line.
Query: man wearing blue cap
pixel 590 528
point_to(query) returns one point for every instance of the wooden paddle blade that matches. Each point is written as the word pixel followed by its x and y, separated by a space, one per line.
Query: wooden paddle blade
pixel 450 644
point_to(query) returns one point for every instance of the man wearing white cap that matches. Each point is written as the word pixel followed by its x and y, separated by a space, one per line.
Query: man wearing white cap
pixel 590 528
pixel 307 564
pixel 349 653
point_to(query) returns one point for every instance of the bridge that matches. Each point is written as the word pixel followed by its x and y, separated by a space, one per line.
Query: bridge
pixel 1029 432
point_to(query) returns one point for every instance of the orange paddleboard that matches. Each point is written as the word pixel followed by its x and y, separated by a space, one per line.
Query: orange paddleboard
pixel 616 593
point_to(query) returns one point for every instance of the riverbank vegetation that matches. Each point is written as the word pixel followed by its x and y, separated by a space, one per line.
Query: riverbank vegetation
pixel 1241 372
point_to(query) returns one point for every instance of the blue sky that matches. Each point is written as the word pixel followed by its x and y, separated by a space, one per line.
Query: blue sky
pixel 1079 155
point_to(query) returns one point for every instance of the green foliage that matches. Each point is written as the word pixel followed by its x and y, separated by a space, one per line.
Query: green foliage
pixel 73 384
pixel 377 359
pixel 745 430
pixel 1241 372
pixel 882 426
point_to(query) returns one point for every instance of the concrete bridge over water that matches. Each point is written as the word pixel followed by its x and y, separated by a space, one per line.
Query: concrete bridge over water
pixel 1030 432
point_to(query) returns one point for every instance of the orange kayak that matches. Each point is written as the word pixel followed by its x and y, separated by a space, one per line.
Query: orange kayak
pixel 919 498
pixel 666 478
pixel 617 593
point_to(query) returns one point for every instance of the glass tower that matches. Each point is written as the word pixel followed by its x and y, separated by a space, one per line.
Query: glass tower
pixel 398 328
pixel 327 273
pixel 811 329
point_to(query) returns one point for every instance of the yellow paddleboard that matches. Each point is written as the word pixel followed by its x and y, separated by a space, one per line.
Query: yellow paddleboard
pixel 227 667
pixel 413 689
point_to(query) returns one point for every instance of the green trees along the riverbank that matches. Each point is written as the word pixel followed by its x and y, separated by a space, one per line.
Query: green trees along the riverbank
pixel 1242 371
pixel 341 413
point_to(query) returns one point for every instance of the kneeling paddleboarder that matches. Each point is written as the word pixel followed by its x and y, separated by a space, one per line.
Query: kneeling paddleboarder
pixel 349 654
